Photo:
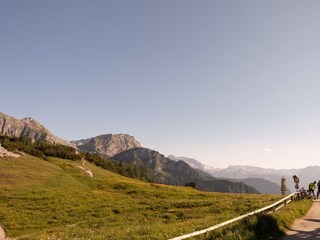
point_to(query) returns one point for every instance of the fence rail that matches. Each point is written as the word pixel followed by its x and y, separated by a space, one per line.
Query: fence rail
pixel 273 207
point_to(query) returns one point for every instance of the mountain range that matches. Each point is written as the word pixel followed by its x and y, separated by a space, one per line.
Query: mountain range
pixel 306 175
pixel 164 170
pixel 266 180
pixel 170 170
pixel 125 148
pixel 257 182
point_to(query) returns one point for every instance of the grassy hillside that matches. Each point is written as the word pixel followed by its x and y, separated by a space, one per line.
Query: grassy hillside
pixel 263 226
pixel 55 199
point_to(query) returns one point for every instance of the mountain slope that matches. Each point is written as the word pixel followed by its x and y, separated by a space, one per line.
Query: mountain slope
pixel 165 170
pixel 55 199
pixel 28 127
pixel 107 145
pixel 160 168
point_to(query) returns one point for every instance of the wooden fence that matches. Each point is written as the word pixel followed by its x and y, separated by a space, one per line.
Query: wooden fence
pixel 272 207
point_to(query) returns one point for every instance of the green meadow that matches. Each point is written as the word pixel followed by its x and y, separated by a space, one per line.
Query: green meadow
pixel 55 199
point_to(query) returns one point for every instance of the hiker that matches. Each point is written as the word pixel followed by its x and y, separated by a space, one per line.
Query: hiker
pixel 312 186
pixel 318 191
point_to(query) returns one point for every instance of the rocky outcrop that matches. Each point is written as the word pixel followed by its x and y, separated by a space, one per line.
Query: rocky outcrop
pixel 164 170
pixel 5 153
pixel 107 145
pixel 28 127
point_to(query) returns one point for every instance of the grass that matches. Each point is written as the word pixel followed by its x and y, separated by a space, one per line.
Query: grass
pixel 264 226
pixel 55 199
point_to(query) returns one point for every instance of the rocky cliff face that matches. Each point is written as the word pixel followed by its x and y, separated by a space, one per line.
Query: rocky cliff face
pixel 28 127
pixel 107 145
pixel 164 170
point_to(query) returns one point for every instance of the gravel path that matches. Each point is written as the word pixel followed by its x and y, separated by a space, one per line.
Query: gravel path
pixel 307 227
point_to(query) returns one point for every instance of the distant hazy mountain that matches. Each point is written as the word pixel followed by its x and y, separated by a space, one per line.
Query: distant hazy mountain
pixel 244 172
pixel 265 180
pixel 306 175
pixel 165 170
pixel 28 127
pixel 260 184
pixel 250 171
pixel 193 163
pixel 107 145
pixel 263 186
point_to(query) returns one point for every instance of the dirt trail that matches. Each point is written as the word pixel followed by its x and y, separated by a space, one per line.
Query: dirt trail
pixel 85 169
pixel 307 227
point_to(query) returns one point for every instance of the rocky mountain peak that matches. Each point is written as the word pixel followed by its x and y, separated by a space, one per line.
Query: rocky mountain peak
pixel 108 145
pixel 28 127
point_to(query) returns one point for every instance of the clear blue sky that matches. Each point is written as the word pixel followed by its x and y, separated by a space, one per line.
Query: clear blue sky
pixel 225 82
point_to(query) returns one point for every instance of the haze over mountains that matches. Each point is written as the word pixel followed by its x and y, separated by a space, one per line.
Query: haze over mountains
pixel 257 182
pixel 306 175
pixel 170 170
pixel 267 180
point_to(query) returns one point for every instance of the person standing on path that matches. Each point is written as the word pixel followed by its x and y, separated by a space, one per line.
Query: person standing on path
pixel 312 187
pixel 318 190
